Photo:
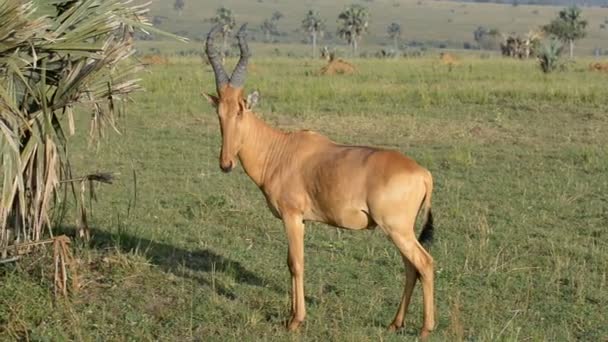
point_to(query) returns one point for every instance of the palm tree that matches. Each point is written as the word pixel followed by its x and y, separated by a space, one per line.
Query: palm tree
pixel 352 24
pixel 179 5
pixel 314 26
pixel 479 34
pixel 548 56
pixel 276 16
pixel 270 26
pixel 224 17
pixel 394 32
pixel 568 26
pixel 51 68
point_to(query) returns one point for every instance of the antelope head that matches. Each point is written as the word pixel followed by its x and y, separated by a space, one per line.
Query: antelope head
pixel 229 102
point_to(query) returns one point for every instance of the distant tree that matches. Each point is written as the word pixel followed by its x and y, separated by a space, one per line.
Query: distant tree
pixel 315 27
pixel 276 16
pixel 394 32
pixel 568 26
pixel 353 23
pixel 486 38
pixel 270 26
pixel 478 34
pixel 157 20
pixel 224 17
pixel 179 5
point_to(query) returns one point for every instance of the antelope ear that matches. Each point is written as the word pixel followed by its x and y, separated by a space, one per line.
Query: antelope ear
pixel 212 99
pixel 252 100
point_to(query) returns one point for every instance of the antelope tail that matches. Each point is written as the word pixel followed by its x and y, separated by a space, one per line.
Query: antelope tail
pixel 426 235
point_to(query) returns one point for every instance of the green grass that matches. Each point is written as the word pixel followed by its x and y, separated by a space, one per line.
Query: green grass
pixel 449 22
pixel 519 160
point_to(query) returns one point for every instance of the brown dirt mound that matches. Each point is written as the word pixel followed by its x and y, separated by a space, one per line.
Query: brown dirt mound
pixel 338 66
pixel 598 66
pixel 154 60
pixel 448 59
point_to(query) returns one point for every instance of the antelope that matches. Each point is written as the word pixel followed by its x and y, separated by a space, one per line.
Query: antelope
pixel 305 177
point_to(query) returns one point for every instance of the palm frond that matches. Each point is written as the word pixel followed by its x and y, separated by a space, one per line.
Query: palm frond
pixel 51 68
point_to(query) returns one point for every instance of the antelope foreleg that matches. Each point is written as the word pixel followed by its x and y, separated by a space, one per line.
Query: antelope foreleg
pixel 294 228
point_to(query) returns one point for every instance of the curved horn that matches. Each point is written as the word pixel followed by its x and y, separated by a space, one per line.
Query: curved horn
pixel 238 75
pixel 221 78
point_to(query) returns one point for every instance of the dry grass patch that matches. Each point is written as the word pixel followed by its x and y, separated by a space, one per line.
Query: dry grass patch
pixel 338 66
pixel 154 60
pixel 598 66
pixel 449 59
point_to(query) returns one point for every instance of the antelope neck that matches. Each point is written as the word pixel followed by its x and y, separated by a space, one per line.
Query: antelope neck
pixel 262 147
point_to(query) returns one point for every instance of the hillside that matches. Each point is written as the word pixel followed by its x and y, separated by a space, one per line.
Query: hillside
pixel 433 23
pixel 583 3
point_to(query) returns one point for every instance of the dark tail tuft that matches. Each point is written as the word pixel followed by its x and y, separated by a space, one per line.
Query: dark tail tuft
pixel 426 235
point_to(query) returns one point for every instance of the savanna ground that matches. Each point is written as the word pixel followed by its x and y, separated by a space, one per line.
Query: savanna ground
pixel 182 251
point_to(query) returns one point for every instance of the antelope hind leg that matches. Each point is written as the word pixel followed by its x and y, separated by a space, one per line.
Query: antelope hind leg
pixel 411 275
pixel 411 249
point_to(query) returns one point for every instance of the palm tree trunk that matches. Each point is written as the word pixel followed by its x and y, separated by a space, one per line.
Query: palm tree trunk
pixel 395 42
pixel 571 41
pixel 354 42
pixel 314 45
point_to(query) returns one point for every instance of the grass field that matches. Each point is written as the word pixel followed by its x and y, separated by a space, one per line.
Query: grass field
pixel 182 251
pixel 451 23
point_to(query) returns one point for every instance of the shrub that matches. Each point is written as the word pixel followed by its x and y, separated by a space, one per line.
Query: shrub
pixel 549 56
pixel 48 70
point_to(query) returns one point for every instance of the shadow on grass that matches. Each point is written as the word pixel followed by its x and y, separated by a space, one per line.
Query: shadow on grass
pixel 178 261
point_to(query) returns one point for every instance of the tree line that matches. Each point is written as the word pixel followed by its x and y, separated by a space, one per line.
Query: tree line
pixel 596 3
pixel 353 24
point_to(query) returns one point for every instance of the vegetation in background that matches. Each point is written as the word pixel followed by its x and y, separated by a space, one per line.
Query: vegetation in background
pixel 179 5
pixel 224 17
pixel 353 23
pixel 270 26
pixel 549 55
pixel 597 3
pixel 314 26
pixel 569 26
pixel 488 39
pixel 394 33
pixel 418 16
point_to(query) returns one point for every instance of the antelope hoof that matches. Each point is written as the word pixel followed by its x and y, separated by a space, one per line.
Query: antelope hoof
pixel 294 324
pixel 424 335
pixel 394 327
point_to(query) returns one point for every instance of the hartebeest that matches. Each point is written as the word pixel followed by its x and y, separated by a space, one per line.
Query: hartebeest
pixel 307 177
